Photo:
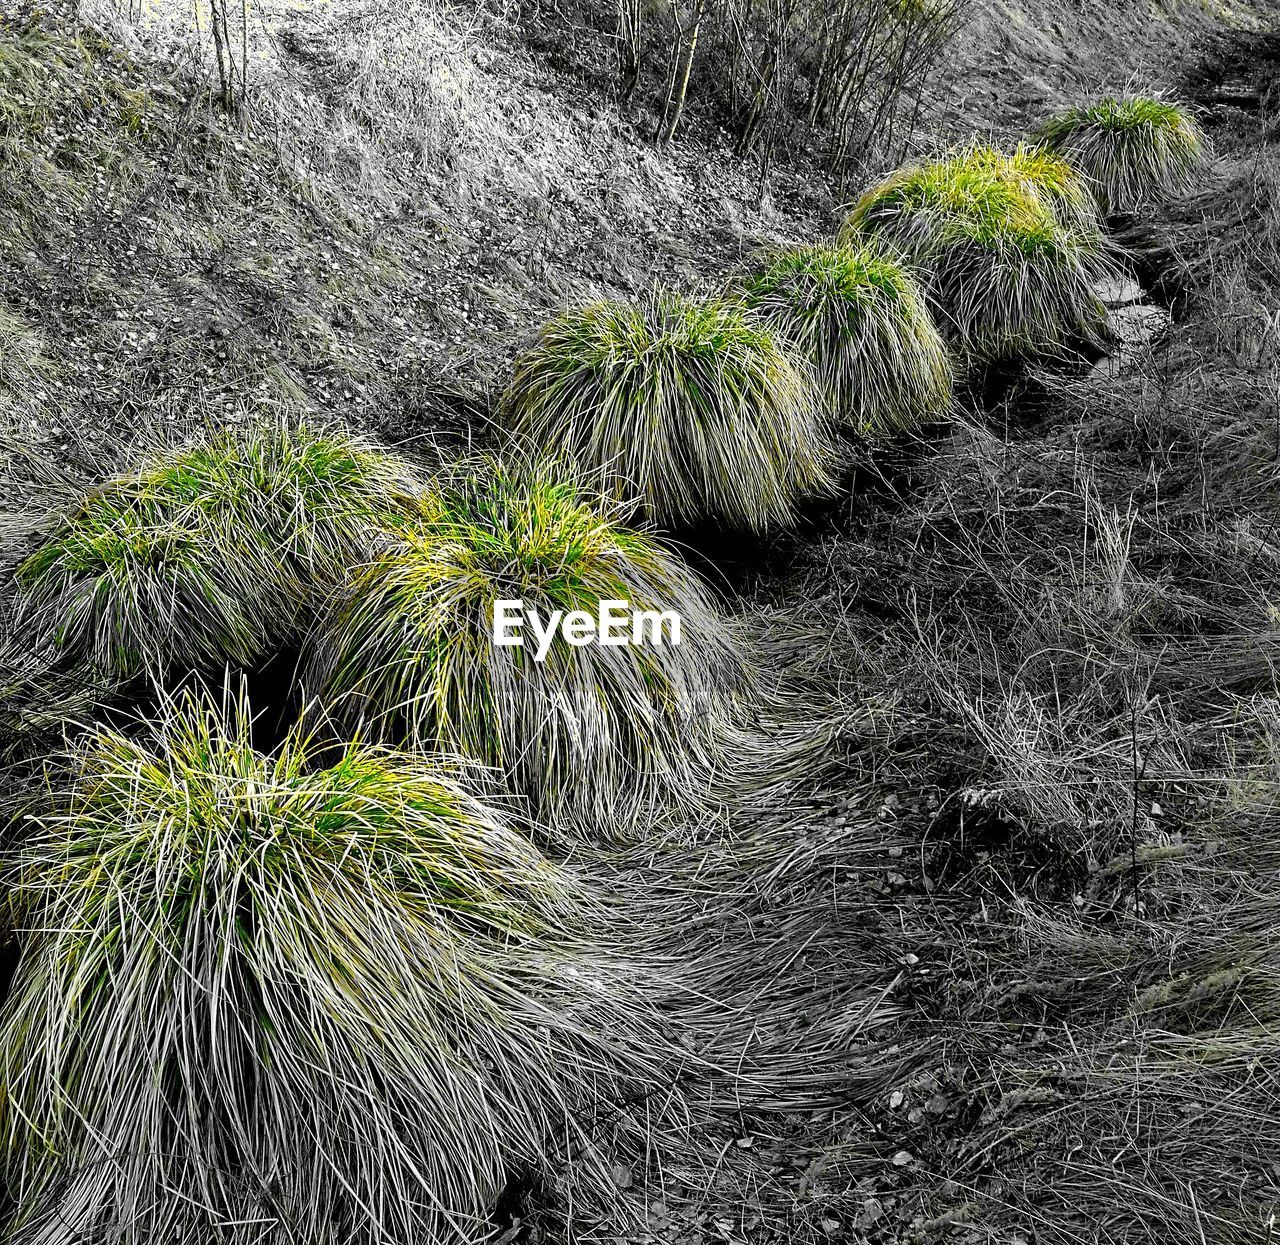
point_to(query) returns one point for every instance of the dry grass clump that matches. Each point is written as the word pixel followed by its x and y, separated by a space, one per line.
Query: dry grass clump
pixel 272 998
pixel 595 736
pixel 207 553
pixel 1133 150
pixel 692 408
pixel 1157 1103
pixel 1009 247
pixel 1221 245
pixel 862 320
pixel 1076 645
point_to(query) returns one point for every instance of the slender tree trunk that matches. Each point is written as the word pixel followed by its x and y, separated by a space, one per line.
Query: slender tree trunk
pixel 218 20
pixel 685 67
pixel 676 49
pixel 631 36
pixel 752 124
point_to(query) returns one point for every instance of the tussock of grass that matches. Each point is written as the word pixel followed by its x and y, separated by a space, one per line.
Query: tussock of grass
pixel 1133 150
pixel 1009 247
pixel 208 553
pixel 333 1003
pixel 692 408
pixel 595 737
pixel 862 320
pixel 1047 177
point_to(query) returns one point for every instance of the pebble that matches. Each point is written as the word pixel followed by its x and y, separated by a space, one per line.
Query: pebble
pixel 1133 330
pixel 1136 326
pixel 1118 291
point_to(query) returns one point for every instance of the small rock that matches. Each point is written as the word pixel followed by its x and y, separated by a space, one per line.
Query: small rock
pixel 1137 326
pixel 1118 291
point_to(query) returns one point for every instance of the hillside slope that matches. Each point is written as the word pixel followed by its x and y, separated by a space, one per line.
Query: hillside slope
pixel 407 193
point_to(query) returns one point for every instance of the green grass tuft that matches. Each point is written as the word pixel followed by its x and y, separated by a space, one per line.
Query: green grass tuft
pixel 692 408
pixel 209 553
pixel 1009 245
pixel 599 739
pixel 1049 178
pixel 1134 150
pixel 333 1004
pixel 862 319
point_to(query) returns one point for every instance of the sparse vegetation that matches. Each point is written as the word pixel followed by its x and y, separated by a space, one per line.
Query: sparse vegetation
pixel 1135 151
pixel 1006 244
pixel 1090 676
pixel 604 741
pixel 335 997
pixel 859 316
pixel 851 77
pixel 208 553
pixel 692 408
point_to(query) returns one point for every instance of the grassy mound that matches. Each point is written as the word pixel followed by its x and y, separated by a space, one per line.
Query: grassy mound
pixel 1046 176
pixel 331 1003
pixel 1134 150
pixel 690 407
pixel 209 553
pixel 1010 246
pixel 599 737
pixel 861 318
